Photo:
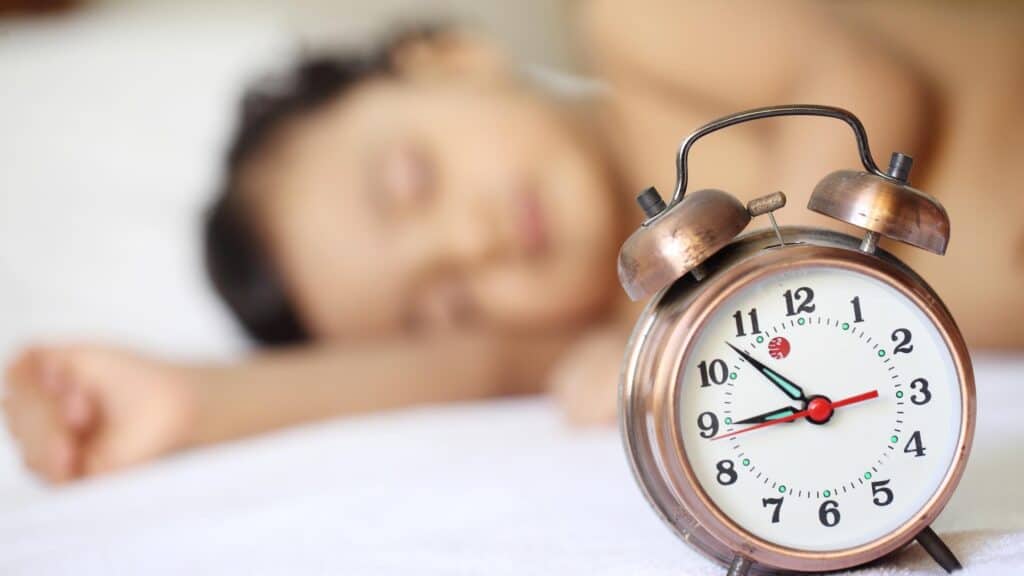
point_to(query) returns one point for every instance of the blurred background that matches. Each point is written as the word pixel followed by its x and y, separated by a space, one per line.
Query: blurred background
pixel 115 117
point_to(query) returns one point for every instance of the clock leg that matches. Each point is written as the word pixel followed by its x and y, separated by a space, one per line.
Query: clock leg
pixel 938 550
pixel 739 566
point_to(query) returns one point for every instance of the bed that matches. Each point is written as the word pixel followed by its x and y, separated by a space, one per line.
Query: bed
pixel 500 487
pixel 504 487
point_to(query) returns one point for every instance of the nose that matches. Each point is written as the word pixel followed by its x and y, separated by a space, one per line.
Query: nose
pixel 471 237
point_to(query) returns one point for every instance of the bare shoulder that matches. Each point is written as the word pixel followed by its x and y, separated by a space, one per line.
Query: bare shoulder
pixel 710 48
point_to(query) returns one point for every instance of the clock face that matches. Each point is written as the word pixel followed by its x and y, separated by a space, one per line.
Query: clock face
pixel 819 409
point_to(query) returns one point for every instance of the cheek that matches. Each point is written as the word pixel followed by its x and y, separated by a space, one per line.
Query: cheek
pixel 337 289
pixel 527 297
pixel 339 308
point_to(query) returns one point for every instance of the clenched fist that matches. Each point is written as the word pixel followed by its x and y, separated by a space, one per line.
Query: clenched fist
pixel 83 410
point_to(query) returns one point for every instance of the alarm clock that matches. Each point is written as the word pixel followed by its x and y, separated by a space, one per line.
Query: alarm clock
pixel 794 399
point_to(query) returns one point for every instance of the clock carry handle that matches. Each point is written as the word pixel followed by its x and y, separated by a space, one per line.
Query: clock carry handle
pixel 771 112
pixel 882 203
pixel 675 239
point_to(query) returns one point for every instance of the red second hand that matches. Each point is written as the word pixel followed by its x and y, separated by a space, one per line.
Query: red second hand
pixel 802 414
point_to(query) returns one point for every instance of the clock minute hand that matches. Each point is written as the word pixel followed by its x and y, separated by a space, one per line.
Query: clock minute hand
pixel 781 382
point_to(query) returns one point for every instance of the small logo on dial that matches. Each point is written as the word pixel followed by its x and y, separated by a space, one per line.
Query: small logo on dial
pixel 778 347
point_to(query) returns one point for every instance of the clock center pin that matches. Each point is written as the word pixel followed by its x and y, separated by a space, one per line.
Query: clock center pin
pixel 819 409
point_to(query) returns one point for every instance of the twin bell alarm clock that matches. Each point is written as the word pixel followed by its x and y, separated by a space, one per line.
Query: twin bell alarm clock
pixel 794 399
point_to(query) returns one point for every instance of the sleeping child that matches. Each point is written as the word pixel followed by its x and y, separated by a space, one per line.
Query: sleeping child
pixel 424 224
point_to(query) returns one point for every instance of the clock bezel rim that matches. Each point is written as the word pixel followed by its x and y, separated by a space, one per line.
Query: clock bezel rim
pixel 718 288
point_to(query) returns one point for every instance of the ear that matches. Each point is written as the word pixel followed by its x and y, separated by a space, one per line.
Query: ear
pixel 446 54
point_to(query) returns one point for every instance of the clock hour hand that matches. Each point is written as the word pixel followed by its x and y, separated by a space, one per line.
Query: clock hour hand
pixel 781 382
pixel 768 416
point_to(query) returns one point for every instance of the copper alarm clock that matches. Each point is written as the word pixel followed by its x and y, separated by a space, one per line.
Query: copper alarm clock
pixel 794 399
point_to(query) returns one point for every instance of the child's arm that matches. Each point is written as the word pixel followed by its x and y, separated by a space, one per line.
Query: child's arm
pixel 281 389
pixel 83 410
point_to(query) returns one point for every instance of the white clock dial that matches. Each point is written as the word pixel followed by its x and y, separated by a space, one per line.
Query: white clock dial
pixel 820 409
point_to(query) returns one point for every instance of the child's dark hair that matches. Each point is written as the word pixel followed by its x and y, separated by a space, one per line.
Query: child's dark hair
pixel 236 257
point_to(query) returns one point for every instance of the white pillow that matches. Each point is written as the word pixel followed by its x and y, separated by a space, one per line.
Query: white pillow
pixel 112 131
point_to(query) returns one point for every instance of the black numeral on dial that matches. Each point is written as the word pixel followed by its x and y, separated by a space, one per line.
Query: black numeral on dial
pixel 755 328
pixel 922 395
pixel 902 336
pixel 857 317
pixel 708 424
pixel 726 473
pixel 715 373
pixel 828 513
pixel 882 496
pixel 914 445
pixel 800 301
pixel 777 503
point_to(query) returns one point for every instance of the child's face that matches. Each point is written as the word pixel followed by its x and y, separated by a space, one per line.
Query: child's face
pixel 427 204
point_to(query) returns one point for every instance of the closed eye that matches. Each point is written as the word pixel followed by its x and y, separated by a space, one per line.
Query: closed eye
pixel 404 180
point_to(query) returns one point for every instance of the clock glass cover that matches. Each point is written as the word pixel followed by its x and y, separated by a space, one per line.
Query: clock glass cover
pixel 819 408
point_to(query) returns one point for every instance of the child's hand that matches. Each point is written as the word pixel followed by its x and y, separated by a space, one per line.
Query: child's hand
pixel 585 382
pixel 78 411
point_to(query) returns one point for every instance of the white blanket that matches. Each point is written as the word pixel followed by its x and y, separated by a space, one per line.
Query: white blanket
pixel 491 488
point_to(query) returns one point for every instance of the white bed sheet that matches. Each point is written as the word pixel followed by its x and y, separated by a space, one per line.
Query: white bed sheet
pixel 491 488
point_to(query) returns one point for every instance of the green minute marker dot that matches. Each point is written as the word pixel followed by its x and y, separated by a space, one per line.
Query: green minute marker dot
pixel 728 420
pixel 894 439
pixel 867 475
pixel 881 353
pixel 826 493
pixel 899 393
pixel 746 461
pixel 846 325
pixel 760 339
pixel 732 376
pixel 800 321
pixel 782 489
